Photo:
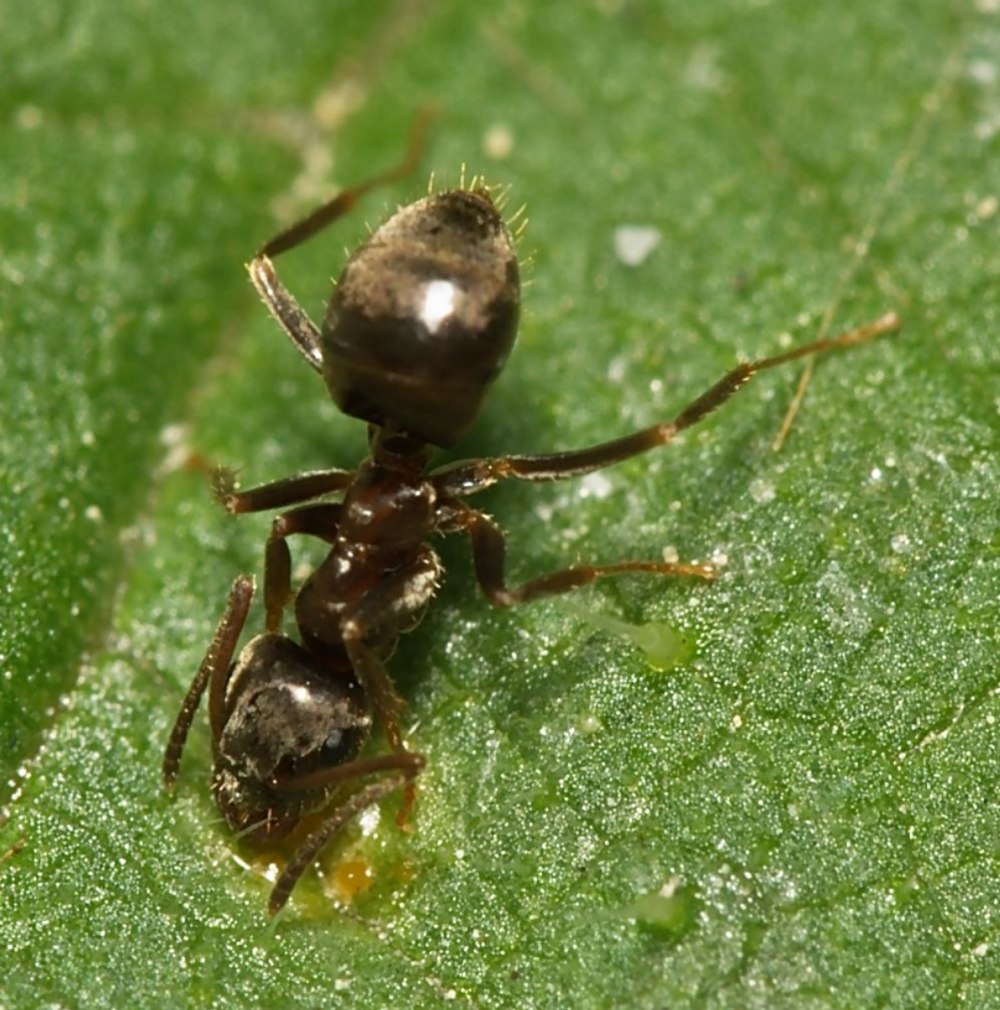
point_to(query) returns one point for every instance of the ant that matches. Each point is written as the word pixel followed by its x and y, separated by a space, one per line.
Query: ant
pixel 419 325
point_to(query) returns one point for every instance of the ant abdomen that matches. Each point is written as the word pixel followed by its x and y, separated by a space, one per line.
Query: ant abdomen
pixel 424 316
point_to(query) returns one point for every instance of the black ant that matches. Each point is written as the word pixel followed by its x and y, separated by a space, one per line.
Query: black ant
pixel 419 325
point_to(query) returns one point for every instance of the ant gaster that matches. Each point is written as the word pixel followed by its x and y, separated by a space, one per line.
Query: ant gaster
pixel 420 323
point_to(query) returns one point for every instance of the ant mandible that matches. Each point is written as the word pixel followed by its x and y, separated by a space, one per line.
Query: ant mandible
pixel 419 325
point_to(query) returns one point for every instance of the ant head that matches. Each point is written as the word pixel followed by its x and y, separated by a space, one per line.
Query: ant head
pixel 424 316
pixel 286 721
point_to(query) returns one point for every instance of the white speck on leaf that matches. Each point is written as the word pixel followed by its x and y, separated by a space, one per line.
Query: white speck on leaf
pixel 634 243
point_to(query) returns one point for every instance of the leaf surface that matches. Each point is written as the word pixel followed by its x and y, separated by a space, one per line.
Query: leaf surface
pixel 796 809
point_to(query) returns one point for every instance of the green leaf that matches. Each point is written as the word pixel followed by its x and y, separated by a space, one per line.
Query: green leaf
pixel 799 808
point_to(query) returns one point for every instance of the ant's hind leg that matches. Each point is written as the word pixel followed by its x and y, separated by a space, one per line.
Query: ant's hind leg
pixel 489 552
pixel 327 213
pixel 299 328
pixel 291 317
pixel 213 674
pixel 454 480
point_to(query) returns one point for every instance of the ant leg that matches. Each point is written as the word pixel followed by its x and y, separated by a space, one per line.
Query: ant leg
pixel 395 605
pixel 319 521
pixel 279 493
pixel 406 767
pixel 470 476
pixel 281 303
pixel 489 551
pixel 214 671
pixel 327 213
pixel 299 328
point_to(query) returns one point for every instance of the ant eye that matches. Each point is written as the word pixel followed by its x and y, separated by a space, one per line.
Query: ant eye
pixel 334 740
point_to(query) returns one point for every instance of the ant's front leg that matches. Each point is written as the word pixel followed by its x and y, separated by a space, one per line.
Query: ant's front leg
pixel 489 551
pixel 213 674
pixel 395 605
pixel 403 768
pixel 322 521
pixel 319 520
